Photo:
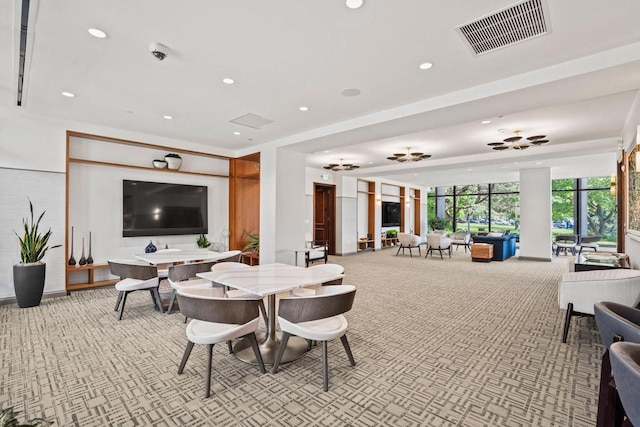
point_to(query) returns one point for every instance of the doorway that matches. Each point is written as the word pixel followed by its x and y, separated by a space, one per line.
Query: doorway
pixel 324 215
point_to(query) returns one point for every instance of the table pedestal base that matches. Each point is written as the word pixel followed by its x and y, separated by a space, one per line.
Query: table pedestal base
pixel 296 347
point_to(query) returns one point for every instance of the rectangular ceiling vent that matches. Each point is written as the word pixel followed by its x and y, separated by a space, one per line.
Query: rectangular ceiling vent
pixel 516 23
pixel 252 121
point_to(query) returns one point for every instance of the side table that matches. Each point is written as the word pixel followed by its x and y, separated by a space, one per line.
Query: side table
pixel 482 252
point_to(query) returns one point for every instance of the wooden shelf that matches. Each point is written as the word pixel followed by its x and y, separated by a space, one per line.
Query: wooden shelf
pixel 364 245
pixel 90 283
pixel 122 165
pixel 388 242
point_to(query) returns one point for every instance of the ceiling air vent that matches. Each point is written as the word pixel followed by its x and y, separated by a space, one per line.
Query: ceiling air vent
pixel 516 23
pixel 252 121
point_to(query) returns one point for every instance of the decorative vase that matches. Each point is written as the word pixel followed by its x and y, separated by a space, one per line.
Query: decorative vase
pixel 28 283
pixel 89 258
pixel 159 164
pixel 150 248
pixel 83 260
pixel 173 163
pixel 72 260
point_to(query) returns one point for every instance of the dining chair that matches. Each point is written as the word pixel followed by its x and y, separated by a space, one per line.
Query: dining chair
pixel 231 256
pixel 184 276
pixel 625 365
pixel 237 293
pixel 319 252
pixel 216 320
pixel 317 318
pixel 616 322
pixel 134 276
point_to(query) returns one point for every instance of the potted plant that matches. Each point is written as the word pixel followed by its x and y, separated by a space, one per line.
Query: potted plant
pixel 8 419
pixel 392 234
pixel 203 242
pixel 253 242
pixel 174 161
pixel 29 275
pixel 438 223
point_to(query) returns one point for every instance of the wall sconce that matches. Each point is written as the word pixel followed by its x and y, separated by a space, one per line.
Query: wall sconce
pixel 613 184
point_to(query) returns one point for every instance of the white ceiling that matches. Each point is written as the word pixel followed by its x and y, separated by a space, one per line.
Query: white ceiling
pixel 575 84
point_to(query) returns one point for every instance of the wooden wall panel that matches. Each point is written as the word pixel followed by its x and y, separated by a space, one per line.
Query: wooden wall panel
pixel 244 199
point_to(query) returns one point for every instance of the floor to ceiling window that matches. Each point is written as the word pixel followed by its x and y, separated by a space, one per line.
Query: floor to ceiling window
pixel 582 206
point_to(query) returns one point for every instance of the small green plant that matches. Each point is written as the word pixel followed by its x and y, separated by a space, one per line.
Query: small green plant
pixel 8 419
pixel 438 223
pixel 253 242
pixel 177 156
pixel 33 244
pixel 392 233
pixel 203 242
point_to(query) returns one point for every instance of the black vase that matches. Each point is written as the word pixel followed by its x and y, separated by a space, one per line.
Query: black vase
pixel 89 258
pixel 83 260
pixel 72 260
pixel 28 283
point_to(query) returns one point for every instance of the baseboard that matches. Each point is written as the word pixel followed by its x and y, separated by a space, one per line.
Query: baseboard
pixel 533 258
pixel 53 294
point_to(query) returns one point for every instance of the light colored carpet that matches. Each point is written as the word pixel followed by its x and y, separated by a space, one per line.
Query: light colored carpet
pixel 437 343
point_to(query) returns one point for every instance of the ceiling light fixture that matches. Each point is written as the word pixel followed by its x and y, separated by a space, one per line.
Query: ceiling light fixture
pixel 236 133
pixel 228 81
pixel 341 167
pixel 69 94
pixel 354 4
pixel 409 156
pixel 303 108
pixel 516 143
pixel 485 122
pixel 167 117
pixel 351 92
pixel 99 34
pixel 426 65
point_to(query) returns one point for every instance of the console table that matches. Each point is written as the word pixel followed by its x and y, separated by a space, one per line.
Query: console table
pixel 601 261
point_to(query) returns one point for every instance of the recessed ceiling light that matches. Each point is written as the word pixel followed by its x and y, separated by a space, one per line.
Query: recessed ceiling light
pixel 168 117
pixel 351 92
pixel 303 108
pixel 97 33
pixel 485 122
pixel 228 81
pixel 538 163
pixel 515 163
pixel 236 133
pixel 354 4
pixel 326 151
pixel 370 163
pixel 469 170
pixel 69 94
pixel 426 65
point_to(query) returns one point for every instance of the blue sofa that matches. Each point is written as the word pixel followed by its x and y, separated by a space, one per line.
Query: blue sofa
pixel 504 247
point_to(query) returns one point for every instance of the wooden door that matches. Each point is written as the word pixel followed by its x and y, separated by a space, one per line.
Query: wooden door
pixel 324 215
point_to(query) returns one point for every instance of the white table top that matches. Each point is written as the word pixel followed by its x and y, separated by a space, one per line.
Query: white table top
pixel 269 279
pixel 171 257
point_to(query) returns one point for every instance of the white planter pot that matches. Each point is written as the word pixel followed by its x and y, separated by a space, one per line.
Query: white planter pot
pixel 173 162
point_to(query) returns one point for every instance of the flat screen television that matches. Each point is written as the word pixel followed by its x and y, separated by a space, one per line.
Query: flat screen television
pixel 390 214
pixel 161 209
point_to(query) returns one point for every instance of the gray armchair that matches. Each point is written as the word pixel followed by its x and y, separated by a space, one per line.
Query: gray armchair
pixel 461 238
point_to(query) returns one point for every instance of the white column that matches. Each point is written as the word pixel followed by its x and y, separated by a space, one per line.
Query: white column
pixel 290 205
pixel 535 214
pixel 268 206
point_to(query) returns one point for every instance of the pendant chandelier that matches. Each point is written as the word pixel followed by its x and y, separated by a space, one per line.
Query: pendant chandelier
pixel 518 142
pixel 341 167
pixel 409 156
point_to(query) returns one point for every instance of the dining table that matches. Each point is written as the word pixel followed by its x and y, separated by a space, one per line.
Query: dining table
pixel 176 256
pixel 269 280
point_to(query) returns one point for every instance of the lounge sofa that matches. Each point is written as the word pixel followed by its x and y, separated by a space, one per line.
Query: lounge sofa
pixel 504 247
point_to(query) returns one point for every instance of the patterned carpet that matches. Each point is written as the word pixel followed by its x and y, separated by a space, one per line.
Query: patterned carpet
pixel 437 343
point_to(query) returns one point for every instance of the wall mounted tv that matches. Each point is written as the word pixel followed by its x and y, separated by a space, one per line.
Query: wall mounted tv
pixel 390 214
pixel 161 209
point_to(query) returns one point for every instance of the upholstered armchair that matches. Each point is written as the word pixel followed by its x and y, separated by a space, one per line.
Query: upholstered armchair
pixel 461 238
pixel 438 242
pixel 409 241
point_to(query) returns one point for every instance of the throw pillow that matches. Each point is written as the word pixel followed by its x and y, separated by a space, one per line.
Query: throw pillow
pixel 495 234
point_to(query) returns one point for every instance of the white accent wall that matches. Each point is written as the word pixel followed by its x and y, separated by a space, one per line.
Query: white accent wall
pixel 535 213
pixel 290 205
